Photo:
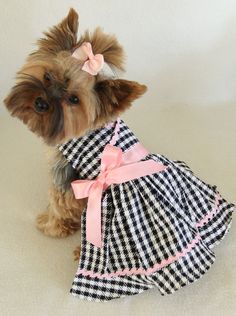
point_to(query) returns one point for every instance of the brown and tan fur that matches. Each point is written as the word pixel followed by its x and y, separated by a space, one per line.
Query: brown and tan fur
pixel 50 75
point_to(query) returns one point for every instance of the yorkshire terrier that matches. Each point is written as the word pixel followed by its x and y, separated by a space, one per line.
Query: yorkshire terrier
pixel 58 101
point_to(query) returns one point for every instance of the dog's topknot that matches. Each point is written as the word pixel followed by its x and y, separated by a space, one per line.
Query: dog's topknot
pixel 62 36
pixel 107 45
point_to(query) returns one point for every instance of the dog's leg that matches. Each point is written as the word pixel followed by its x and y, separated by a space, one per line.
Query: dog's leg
pixel 77 253
pixel 62 217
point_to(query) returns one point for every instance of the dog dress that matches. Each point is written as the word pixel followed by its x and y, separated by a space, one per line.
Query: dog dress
pixel 148 229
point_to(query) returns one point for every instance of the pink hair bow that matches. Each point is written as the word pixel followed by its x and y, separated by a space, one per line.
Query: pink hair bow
pixel 116 167
pixel 92 63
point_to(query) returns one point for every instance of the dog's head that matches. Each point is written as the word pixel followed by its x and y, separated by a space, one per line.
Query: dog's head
pixel 56 98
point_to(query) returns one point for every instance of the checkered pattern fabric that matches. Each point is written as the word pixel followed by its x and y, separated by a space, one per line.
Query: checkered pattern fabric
pixel 152 236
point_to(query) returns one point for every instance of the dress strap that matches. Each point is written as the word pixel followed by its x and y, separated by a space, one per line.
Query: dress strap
pixel 116 132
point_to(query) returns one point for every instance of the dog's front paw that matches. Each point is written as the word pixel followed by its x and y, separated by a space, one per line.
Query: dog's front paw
pixel 56 227
pixel 77 253
pixel 42 221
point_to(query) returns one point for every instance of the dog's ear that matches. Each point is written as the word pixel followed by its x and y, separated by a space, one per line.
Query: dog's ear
pixel 115 96
pixel 62 36
pixel 22 96
pixel 18 100
pixel 107 45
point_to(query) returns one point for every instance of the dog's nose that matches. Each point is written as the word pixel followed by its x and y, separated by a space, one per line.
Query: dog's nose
pixel 56 90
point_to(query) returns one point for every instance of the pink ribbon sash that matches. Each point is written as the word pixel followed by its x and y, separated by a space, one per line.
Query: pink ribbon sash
pixel 116 167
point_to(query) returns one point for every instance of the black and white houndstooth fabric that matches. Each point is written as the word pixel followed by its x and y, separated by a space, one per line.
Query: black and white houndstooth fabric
pixel 158 230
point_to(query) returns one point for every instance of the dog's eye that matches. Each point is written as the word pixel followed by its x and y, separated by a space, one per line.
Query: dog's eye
pixel 41 105
pixel 74 99
pixel 47 77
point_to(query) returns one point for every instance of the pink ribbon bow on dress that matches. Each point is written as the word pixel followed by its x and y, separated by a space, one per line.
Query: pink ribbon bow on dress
pixel 116 167
pixel 92 63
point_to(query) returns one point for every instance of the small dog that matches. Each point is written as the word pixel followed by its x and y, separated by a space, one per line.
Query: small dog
pixel 58 101
pixel 149 221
